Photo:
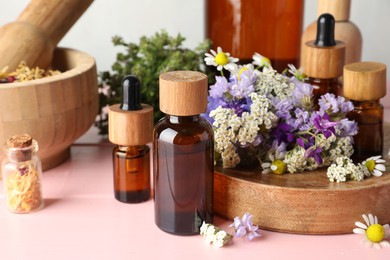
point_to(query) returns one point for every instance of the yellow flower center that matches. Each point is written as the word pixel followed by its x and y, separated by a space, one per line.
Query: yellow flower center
pixel 242 70
pixel 266 61
pixel 375 233
pixel 278 167
pixel 370 164
pixel 221 59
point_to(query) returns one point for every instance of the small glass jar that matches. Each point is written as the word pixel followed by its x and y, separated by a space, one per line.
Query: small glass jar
pixel 22 174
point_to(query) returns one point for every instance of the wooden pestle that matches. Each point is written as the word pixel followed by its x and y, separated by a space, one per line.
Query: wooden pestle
pixel 36 32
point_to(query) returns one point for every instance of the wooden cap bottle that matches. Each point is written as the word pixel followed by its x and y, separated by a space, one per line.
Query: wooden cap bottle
pixel 345 30
pixel 364 81
pixel 183 93
pixel 130 123
pixel 324 57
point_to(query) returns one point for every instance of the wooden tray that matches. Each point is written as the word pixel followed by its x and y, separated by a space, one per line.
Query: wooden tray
pixel 304 203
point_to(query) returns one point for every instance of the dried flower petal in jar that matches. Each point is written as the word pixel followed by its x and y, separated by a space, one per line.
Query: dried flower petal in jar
pixel 22 173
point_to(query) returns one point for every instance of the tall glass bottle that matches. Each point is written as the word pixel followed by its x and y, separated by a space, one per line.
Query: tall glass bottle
pixel 364 85
pixel 271 28
pixel 323 59
pixel 183 155
pixel 130 126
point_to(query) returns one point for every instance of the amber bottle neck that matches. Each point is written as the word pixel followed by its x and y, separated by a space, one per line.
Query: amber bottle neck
pixel 182 119
pixel 366 104
pixel 322 81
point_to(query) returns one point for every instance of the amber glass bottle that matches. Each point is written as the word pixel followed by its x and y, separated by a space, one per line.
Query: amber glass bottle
pixel 130 126
pixel 183 155
pixel 271 28
pixel 323 59
pixel 364 85
pixel 131 173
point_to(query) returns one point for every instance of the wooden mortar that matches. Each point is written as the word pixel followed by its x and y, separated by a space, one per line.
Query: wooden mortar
pixel 55 110
pixel 36 32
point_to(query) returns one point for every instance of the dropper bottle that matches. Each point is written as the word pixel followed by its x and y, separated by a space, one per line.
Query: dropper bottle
pixel 130 126
pixel 345 30
pixel 323 59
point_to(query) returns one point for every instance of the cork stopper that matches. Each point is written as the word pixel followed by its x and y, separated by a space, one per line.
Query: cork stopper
pixel 364 81
pixel 21 147
pixel 19 141
pixel 324 57
pixel 183 93
pixel 340 9
pixel 131 122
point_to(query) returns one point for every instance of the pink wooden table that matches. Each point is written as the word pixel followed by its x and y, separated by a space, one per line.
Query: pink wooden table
pixel 82 220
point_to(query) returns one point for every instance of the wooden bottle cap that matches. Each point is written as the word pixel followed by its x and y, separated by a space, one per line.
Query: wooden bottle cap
pixel 323 62
pixel 183 93
pixel 364 81
pixel 340 9
pixel 130 128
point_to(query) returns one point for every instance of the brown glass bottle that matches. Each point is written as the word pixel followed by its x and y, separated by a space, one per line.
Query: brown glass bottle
pixel 364 85
pixel 323 59
pixel 131 173
pixel 130 126
pixel 183 158
pixel 183 155
pixel 369 139
pixel 271 28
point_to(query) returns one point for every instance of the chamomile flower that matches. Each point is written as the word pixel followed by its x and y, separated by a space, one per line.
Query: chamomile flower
pixel 375 165
pixel 297 73
pixel 374 233
pixel 260 60
pixel 221 60
pixel 276 164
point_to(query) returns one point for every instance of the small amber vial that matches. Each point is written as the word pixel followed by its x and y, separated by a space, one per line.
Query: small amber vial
pixel 364 85
pixel 323 59
pixel 130 126
pixel 183 155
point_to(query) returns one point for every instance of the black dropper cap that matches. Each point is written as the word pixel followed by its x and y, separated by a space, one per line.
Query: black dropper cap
pixel 131 96
pixel 325 31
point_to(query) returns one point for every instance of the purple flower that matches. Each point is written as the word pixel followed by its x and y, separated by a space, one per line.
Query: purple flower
pixel 244 86
pixel 332 104
pixel 347 127
pixel 314 152
pixel 244 227
pixel 283 109
pixel 283 133
pixel 345 106
pixel 302 93
pixel 328 102
pixel 324 124
pixel 240 106
pixel 302 117
pixel 213 103
pixel 220 87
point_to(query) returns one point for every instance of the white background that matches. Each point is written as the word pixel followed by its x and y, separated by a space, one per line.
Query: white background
pixel 132 19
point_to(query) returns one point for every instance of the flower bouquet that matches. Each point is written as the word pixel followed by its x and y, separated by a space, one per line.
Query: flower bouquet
pixel 268 120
